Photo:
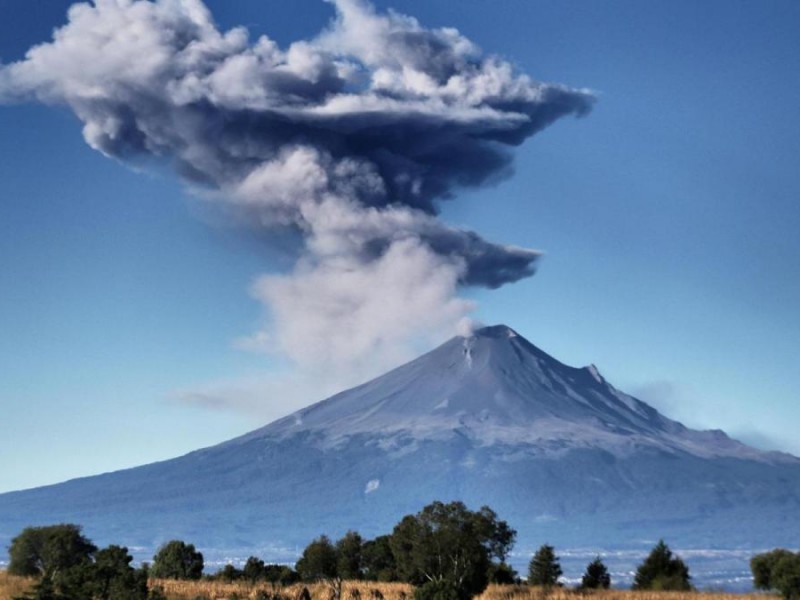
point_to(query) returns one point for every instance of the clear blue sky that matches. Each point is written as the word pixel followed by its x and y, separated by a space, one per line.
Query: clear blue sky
pixel 669 217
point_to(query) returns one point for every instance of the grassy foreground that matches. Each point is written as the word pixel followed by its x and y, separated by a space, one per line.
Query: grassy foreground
pixel 351 590
pixel 11 586
pixel 523 592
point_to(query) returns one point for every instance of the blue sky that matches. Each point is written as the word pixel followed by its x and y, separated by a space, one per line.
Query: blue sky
pixel 668 216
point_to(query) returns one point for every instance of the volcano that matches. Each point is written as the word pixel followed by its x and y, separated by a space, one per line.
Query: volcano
pixel 488 419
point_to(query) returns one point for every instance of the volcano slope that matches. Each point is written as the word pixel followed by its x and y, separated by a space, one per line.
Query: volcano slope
pixel 557 451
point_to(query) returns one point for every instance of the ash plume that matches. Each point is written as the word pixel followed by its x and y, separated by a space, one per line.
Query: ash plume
pixel 350 140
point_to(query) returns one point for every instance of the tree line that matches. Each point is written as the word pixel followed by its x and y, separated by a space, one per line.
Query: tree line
pixel 446 551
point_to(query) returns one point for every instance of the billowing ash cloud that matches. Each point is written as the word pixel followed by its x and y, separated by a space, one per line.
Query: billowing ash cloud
pixel 350 140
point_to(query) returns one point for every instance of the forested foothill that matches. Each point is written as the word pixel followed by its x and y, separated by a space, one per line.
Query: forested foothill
pixel 443 552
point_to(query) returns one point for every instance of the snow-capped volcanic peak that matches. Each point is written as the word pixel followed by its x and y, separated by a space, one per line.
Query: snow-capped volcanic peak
pixel 486 418
pixel 495 387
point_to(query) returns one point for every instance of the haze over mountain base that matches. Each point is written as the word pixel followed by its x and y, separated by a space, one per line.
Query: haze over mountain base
pixel 557 451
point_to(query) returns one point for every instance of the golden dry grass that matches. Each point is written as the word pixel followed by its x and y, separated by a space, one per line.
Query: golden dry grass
pixel 522 592
pixel 189 590
pixel 12 586
pixel 214 590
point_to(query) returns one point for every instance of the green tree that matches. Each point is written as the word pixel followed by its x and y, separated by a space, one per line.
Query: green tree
pixel 348 556
pixel 280 574
pixel 114 578
pixel 544 568
pixel 662 570
pixel 499 537
pixel 596 576
pixel 76 582
pixel 177 560
pixel 762 565
pixel 779 570
pixel 254 570
pixel 109 576
pixel 46 551
pixel 228 573
pixel 440 589
pixel 318 560
pixel 451 546
pixel 502 574
pixel 786 576
pixel 377 559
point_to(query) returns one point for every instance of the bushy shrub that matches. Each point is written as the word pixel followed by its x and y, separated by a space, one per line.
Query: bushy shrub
pixel 502 574
pixel 441 589
pixel 177 560
pixel 229 573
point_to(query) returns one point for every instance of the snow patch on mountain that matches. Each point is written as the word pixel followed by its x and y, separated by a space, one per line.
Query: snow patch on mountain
pixel 468 343
pixel 594 372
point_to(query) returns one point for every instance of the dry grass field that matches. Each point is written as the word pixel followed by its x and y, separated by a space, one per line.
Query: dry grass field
pixel 11 587
pixel 522 592
pixel 177 590
pixel 213 590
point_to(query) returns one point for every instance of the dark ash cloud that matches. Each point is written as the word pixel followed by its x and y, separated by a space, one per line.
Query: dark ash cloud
pixel 351 139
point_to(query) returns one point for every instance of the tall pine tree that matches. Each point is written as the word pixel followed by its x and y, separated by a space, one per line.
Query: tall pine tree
pixel 596 576
pixel 544 568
